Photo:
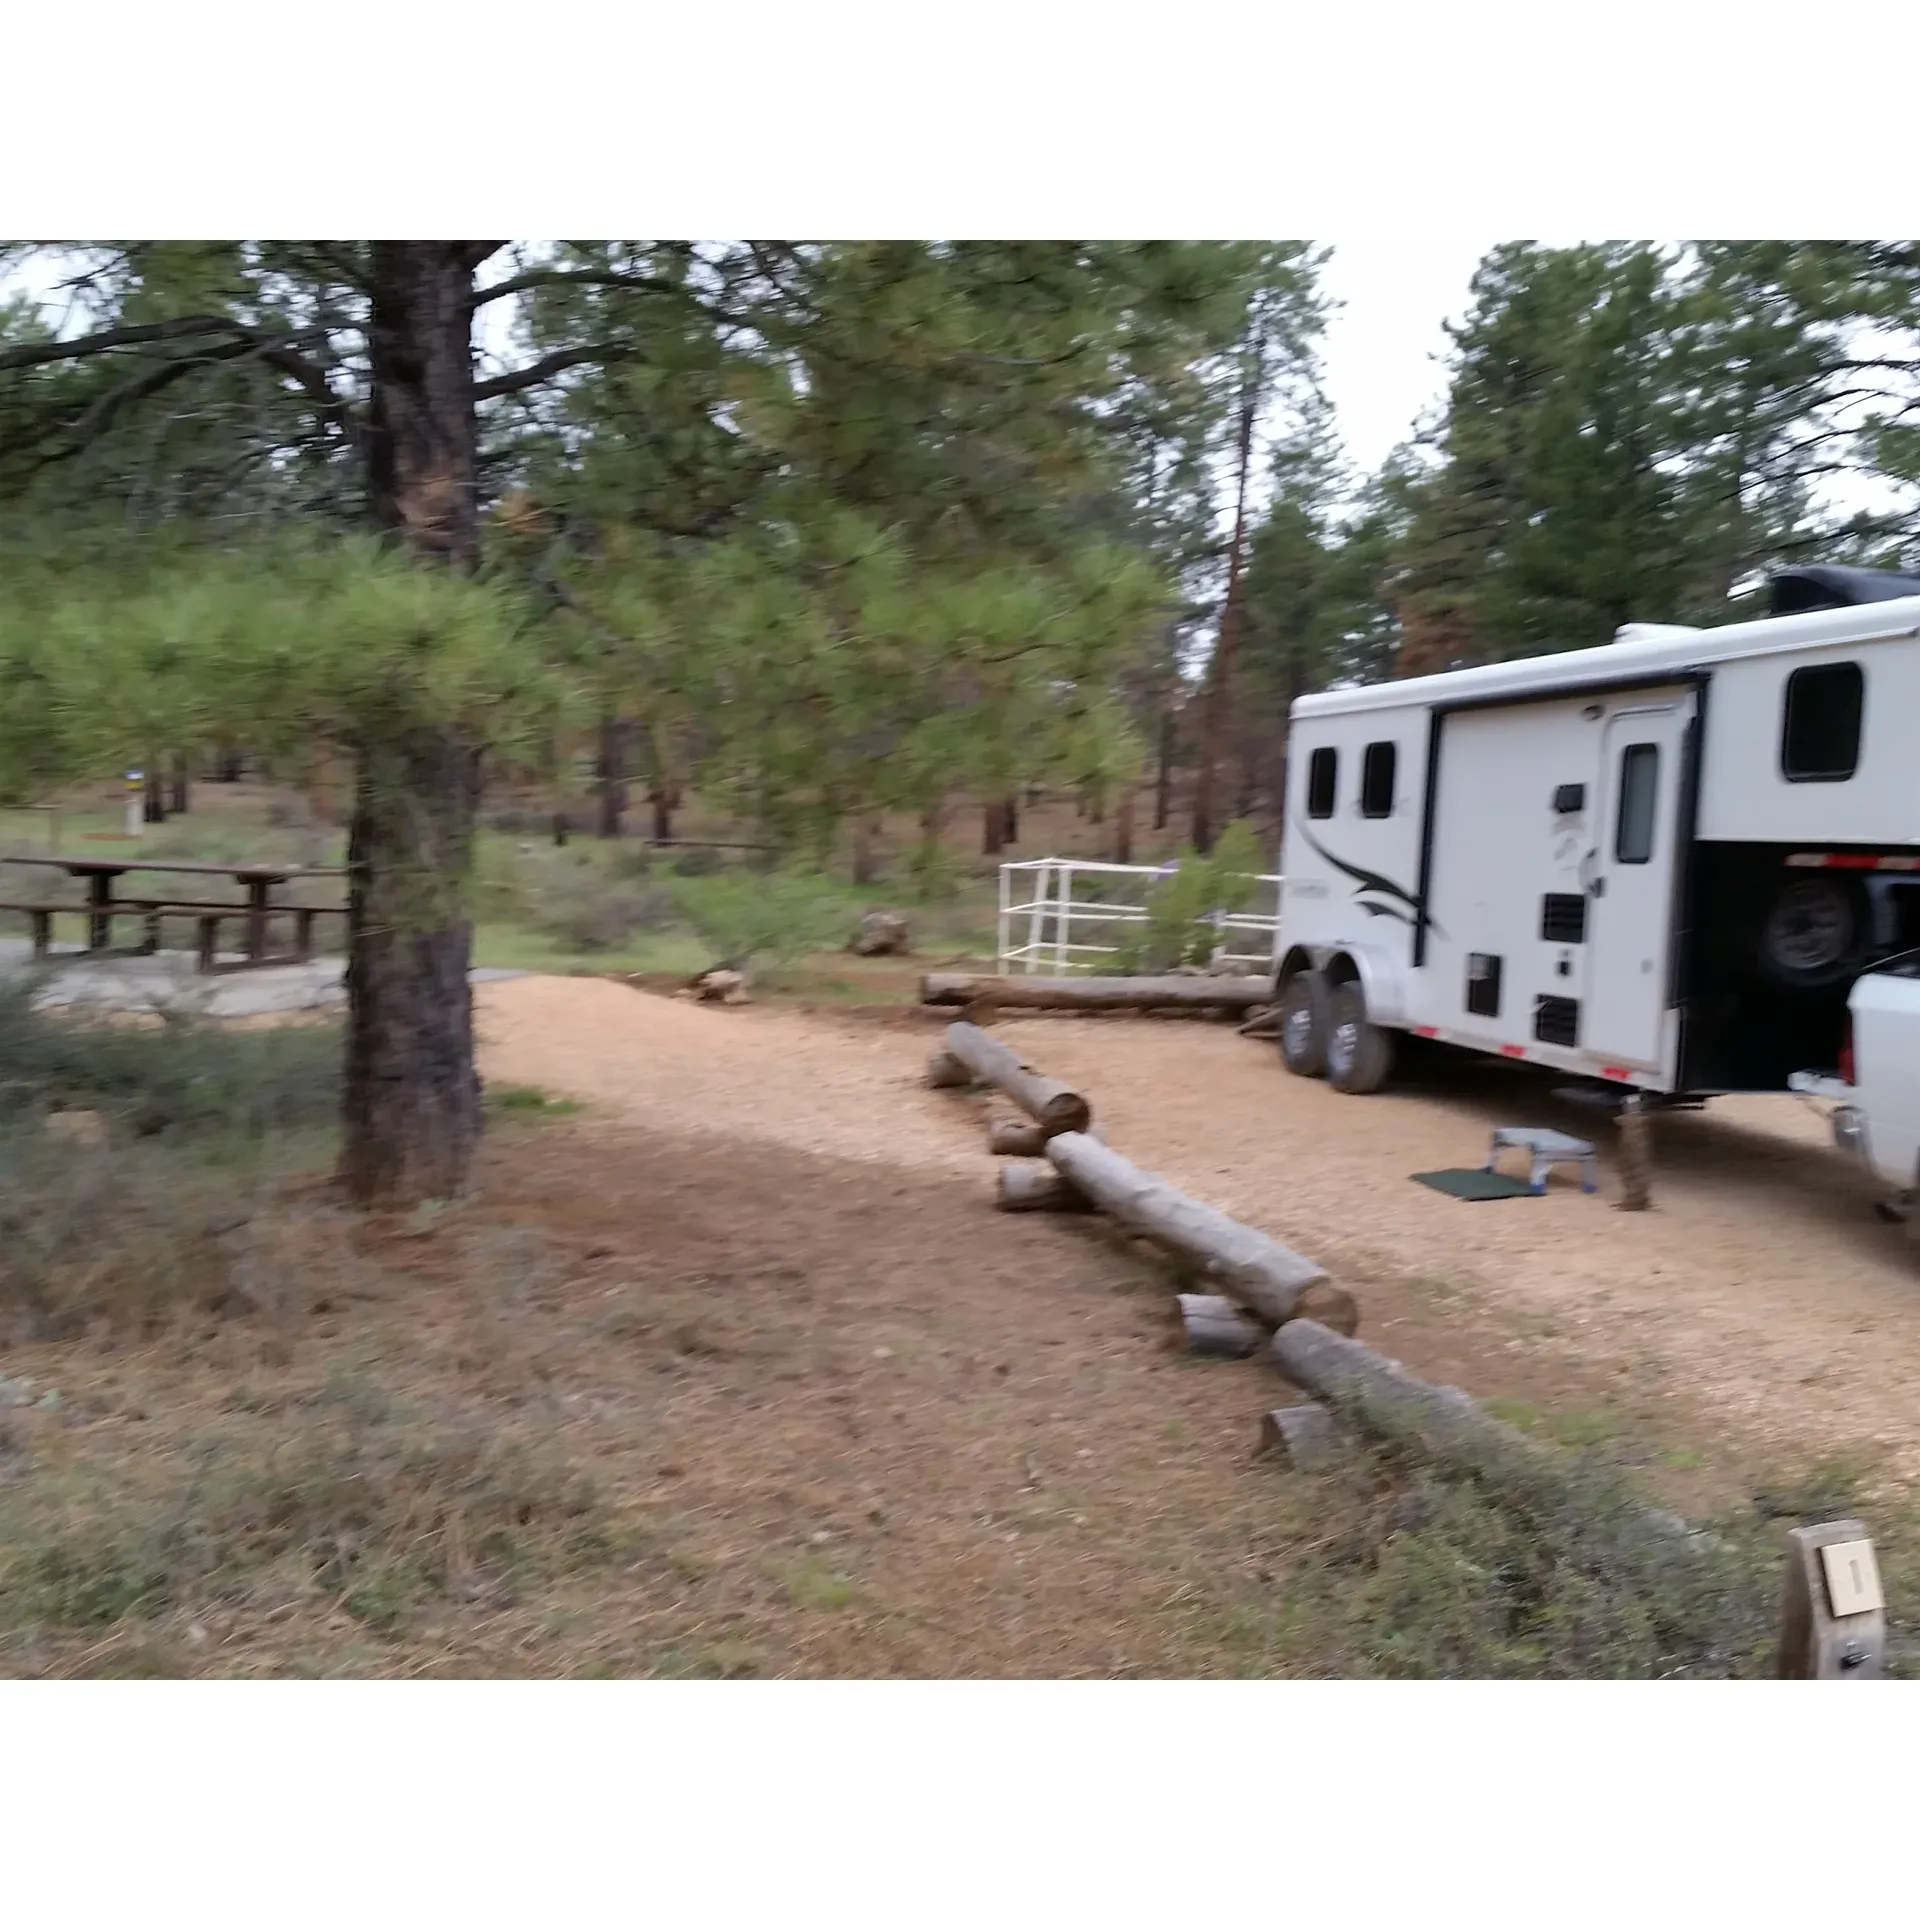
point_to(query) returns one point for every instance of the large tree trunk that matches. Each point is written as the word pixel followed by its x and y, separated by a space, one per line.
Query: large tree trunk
pixel 1213 723
pixel 412 1096
pixel 1123 813
pixel 866 849
pixel 610 774
pixel 662 800
pixel 180 785
pixel 993 834
pixel 1163 775
pixel 153 793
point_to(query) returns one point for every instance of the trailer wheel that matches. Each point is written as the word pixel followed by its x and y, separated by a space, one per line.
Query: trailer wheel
pixel 1814 932
pixel 1359 1054
pixel 1305 1008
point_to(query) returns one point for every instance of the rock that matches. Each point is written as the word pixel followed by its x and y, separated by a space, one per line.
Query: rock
pixel 49 1402
pixel 722 984
pixel 81 1125
pixel 17 1392
pixel 881 933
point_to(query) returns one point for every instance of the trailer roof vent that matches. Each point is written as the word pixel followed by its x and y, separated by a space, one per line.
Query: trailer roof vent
pixel 1815 589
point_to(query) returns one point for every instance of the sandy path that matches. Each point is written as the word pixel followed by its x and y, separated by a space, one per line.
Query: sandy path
pixel 1760 1291
pixel 743 1072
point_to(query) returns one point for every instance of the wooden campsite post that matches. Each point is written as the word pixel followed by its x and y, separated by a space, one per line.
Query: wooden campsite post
pixel 1636 1168
pixel 1833 1619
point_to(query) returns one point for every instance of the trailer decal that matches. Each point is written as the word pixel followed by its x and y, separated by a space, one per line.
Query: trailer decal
pixel 1397 895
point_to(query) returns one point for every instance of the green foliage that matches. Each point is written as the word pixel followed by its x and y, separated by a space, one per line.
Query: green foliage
pixel 762 924
pixel 1180 930
pixel 1632 431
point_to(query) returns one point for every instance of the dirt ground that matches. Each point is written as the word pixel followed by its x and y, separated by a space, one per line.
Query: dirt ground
pixel 1758 1317
pixel 742 1357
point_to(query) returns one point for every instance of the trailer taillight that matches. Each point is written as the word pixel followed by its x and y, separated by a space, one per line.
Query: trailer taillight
pixel 1846 1053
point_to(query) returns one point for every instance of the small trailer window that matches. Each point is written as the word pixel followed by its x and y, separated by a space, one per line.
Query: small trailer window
pixel 1322 772
pixel 1377 766
pixel 1639 789
pixel 1820 728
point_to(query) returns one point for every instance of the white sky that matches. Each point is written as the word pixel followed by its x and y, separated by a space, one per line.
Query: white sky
pixel 1383 346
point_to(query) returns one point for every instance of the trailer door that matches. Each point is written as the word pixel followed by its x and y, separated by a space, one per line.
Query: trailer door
pixel 1629 872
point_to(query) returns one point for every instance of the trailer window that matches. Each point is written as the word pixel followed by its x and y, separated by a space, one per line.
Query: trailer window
pixel 1820 728
pixel 1377 768
pixel 1322 773
pixel 1639 790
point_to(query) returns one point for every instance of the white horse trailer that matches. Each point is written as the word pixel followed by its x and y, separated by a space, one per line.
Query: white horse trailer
pixel 1660 863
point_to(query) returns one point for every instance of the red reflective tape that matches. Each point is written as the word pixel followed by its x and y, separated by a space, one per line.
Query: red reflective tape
pixel 1428 1033
pixel 1858 862
pixel 1514 1053
pixel 1614 1073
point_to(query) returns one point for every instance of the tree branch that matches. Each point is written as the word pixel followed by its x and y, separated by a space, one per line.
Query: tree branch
pixel 45 353
pixel 547 366
pixel 563 276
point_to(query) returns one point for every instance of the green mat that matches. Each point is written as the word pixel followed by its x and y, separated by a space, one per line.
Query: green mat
pixel 1474 1183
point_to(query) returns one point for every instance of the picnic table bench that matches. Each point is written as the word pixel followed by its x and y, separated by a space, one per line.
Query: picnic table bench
pixel 101 908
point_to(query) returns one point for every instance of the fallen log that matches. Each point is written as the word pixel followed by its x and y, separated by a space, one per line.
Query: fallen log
pixel 1026 1186
pixel 1444 1425
pixel 1097 993
pixel 1263 1275
pixel 1052 1103
pixel 943 1070
pixel 1266 1021
pixel 1216 1329
pixel 1304 1436
pixel 1026 1138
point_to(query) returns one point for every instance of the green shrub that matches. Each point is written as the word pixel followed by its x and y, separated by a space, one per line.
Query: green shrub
pixel 761 924
pixel 1178 931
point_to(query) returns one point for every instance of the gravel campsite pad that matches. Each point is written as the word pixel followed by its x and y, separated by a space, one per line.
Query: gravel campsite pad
pixel 1760 1297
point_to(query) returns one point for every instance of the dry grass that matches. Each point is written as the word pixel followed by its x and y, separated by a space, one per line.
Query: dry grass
pixel 757 1399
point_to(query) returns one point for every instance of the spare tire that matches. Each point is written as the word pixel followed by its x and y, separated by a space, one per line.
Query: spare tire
pixel 1815 932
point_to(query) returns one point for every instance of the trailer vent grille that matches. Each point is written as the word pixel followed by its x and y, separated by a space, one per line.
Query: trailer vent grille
pixel 1483 984
pixel 1556 1022
pixel 1563 919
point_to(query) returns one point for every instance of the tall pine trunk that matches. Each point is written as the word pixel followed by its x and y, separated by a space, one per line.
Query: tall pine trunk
pixel 866 849
pixel 411 1105
pixel 610 772
pixel 1213 725
pixel 153 801
pixel 1163 774
pixel 662 800
pixel 993 829
pixel 1123 812
pixel 180 784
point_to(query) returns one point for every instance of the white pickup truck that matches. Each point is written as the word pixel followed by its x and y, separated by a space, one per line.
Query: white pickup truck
pixel 1877 1118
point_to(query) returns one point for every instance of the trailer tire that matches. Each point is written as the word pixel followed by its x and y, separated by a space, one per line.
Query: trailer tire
pixel 1815 932
pixel 1359 1054
pixel 1305 1009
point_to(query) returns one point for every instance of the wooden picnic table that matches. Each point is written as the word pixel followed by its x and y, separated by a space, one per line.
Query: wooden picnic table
pixel 101 870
